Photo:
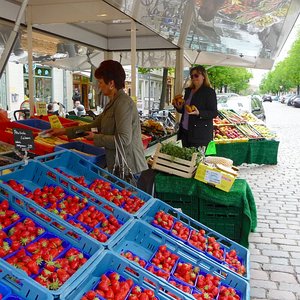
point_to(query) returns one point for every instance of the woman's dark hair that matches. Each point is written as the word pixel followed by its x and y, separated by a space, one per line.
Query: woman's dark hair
pixel 111 70
pixel 50 106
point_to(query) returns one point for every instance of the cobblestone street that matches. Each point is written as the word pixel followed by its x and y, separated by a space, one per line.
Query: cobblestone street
pixel 275 246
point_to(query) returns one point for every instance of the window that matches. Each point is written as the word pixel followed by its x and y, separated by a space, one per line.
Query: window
pixel 42 79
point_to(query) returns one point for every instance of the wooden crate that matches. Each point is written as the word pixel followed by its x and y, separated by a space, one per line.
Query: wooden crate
pixel 173 165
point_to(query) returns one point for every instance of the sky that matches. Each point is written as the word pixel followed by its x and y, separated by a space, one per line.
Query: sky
pixel 259 74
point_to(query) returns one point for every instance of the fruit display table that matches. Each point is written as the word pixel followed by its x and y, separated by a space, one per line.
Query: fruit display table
pixel 251 152
pixel 233 214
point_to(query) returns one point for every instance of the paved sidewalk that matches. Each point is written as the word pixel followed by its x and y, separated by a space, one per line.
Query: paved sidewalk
pixel 275 246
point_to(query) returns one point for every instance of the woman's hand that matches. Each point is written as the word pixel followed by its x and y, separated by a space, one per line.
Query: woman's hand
pixel 55 131
pixel 178 102
pixel 90 136
pixel 194 112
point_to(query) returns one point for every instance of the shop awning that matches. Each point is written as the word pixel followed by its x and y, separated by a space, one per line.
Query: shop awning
pixel 75 33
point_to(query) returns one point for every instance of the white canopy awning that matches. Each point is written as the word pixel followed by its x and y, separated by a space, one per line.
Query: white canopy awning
pixel 75 33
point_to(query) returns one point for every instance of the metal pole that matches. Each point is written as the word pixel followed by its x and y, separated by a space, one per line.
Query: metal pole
pixel 12 38
pixel 133 60
pixel 149 105
pixel 30 61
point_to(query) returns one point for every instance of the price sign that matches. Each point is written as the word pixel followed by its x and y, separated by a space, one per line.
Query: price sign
pixel 213 177
pixel 23 138
pixel 54 122
pixel 41 108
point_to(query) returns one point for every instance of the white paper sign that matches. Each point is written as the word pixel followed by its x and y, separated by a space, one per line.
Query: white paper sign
pixel 213 176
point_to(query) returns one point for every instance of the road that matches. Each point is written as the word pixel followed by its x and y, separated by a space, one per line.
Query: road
pixel 275 246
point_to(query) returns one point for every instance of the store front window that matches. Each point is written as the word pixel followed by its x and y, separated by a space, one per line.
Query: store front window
pixel 42 79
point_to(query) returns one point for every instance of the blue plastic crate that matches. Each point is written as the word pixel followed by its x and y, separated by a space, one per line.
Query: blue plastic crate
pixel 143 239
pixel 109 261
pixel 55 226
pixel 97 156
pixel 75 165
pixel 225 242
pixel 21 285
pixel 35 123
pixel 36 175
pixel 5 291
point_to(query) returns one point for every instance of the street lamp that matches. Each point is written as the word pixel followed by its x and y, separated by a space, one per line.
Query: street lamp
pixel 281 87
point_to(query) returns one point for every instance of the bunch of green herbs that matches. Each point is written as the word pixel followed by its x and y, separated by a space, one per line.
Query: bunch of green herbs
pixel 174 151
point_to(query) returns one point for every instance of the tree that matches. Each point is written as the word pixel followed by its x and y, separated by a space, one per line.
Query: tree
pixel 286 74
pixel 232 79
pixel 163 96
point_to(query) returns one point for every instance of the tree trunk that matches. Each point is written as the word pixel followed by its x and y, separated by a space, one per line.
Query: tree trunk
pixel 163 97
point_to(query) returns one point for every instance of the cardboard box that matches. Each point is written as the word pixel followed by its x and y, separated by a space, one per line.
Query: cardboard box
pixel 215 177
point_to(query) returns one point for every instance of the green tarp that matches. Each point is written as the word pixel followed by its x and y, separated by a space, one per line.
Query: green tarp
pixel 252 152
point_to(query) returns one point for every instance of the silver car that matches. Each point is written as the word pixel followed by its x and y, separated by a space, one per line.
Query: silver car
pixel 241 104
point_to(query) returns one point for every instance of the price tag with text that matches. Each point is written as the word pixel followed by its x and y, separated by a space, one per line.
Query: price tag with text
pixel 41 108
pixel 23 138
pixel 55 122
pixel 213 177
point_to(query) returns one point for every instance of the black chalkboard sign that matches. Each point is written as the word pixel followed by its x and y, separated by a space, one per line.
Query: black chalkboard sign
pixel 23 138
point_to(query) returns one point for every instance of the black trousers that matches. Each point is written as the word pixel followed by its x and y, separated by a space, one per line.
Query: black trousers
pixel 185 141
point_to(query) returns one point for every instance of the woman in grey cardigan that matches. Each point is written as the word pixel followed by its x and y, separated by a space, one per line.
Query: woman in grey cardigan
pixel 119 119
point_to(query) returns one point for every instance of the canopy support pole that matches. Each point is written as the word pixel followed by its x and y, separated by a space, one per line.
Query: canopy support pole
pixel 12 38
pixel 133 61
pixel 30 60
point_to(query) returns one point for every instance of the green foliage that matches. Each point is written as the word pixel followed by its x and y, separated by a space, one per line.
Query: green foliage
pixel 145 70
pixel 286 74
pixel 231 78
pixel 180 152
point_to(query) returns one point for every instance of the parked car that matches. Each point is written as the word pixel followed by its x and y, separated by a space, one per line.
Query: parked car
pixel 241 104
pixel 222 98
pixel 267 98
pixel 290 100
pixel 296 101
pixel 275 98
pixel 259 97
pixel 285 98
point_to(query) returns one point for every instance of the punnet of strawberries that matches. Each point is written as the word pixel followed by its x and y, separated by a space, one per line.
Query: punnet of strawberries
pixel 111 286
pixel 56 272
pixel 163 220
pixel 164 259
pixel 7 216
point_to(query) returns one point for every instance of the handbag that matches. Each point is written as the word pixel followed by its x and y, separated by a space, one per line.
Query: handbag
pixel 121 168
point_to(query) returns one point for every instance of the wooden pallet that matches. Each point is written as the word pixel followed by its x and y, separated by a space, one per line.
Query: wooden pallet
pixel 173 165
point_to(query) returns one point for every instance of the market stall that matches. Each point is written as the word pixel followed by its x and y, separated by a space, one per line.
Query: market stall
pixel 244 139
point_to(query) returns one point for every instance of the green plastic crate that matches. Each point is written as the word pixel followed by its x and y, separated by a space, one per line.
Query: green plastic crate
pixel 224 219
pixel 188 204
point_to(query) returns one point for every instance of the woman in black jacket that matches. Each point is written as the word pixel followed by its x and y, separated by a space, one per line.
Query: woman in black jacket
pixel 198 110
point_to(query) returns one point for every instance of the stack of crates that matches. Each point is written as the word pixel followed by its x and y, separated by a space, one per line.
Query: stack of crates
pixel 130 255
